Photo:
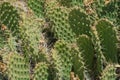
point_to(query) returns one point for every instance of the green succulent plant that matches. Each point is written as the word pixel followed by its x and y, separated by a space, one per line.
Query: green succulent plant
pixel 41 71
pixel 61 28
pixel 108 39
pixel 79 22
pixel 9 17
pixel 37 7
pixel 62 57
pixel 18 67
pixel 109 73
pixel 85 33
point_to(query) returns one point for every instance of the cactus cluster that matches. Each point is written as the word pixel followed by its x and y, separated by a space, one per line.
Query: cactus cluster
pixel 84 41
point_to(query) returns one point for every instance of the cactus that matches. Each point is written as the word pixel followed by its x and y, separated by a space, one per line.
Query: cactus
pixel 9 22
pixel 99 57
pixel 106 9
pixel 71 3
pixel 49 6
pixel 4 35
pixel 118 13
pixel 41 71
pixel 108 39
pixel 87 52
pixel 18 67
pixel 37 7
pixel 30 35
pixel 62 57
pixel 61 27
pixel 110 10
pixel 77 3
pixel 78 64
pixel 109 73
pixel 65 2
pixel 85 34
pixel 79 22
pixel 9 17
pixel 118 43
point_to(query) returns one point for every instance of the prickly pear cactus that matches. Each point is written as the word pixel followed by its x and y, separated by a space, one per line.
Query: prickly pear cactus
pixel 41 71
pixel 78 64
pixel 99 57
pixel 4 35
pixel 79 22
pixel 61 28
pixel 106 9
pixel 86 43
pixel 9 17
pixel 77 3
pixel 108 39
pixel 66 3
pixel 37 7
pixel 87 52
pixel 109 73
pixel 18 67
pixel 62 57
pixel 9 22
pixel 30 35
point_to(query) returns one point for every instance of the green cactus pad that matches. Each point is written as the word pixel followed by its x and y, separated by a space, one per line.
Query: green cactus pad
pixel 9 17
pixel 78 64
pixel 65 2
pixel 108 39
pixel 37 6
pixel 18 68
pixel 109 73
pixel 87 51
pixel 41 71
pixel 4 35
pixel 61 28
pixel 62 57
pixel 30 35
pixel 79 22
pixel 106 9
